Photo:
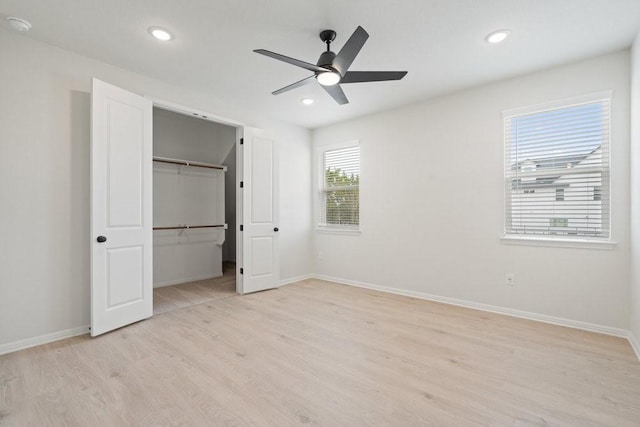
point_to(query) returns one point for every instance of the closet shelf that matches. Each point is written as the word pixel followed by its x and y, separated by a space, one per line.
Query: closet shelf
pixel 188 163
pixel 188 227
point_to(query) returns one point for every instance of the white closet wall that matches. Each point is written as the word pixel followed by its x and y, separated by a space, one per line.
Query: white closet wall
pixel 186 195
pixel 185 137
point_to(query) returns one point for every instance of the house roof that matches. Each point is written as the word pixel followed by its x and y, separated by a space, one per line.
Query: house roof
pixel 550 163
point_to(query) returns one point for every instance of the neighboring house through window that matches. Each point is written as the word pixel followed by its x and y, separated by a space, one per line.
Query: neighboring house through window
pixel 557 169
pixel 597 193
pixel 340 187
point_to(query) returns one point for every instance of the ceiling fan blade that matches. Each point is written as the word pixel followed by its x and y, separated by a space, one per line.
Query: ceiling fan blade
pixel 292 61
pixel 337 94
pixel 302 82
pixel 350 50
pixel 372 76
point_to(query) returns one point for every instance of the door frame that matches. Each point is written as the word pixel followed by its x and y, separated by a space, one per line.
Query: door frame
pixel 239 126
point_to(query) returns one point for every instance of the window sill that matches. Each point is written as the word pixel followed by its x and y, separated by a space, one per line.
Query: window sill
pixel 343 231
pixel 559 243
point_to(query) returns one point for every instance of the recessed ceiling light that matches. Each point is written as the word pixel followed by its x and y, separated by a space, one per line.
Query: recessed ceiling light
pixel 497 36
pixel 307 101
pixel 329 78
pixel 19 24
pixel 161 34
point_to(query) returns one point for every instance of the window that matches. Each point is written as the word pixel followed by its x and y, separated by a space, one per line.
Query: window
pixel 557 170
pixel 339 187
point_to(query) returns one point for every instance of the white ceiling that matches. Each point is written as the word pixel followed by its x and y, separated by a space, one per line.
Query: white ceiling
pixel 440 42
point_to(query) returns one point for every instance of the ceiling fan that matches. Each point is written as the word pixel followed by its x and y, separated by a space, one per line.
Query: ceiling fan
pixel 332 69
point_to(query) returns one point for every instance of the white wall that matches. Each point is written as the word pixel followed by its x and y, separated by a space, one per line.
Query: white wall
pixel 432 203
pixel 635 193
pixel 182 137
pixel 295 211
pixel 44 182
pixel 189 196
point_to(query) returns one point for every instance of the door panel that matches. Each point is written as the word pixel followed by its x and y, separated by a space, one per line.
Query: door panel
pixel 262 256
pixel 124 276
pixel 124 165
pixel 261 182
pixel 121 208
pixel 260 240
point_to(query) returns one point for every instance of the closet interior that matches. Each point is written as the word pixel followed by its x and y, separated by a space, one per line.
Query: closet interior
pixel 193 198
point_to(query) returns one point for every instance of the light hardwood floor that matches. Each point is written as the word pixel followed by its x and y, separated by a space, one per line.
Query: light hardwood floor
pixel 325 354
pixel 169 298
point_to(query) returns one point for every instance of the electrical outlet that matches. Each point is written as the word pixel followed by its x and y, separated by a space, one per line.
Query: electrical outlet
pixel 510 279
pixel 320 255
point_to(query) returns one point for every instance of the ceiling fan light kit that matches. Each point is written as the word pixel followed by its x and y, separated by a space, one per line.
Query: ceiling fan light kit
pixel 329 78
pixel 332 69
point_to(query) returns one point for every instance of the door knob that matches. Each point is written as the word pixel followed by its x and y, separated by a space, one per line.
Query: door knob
pixel 101 239
pixel 276 229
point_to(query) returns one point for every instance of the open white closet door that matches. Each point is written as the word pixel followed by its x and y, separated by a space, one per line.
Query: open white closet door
pixel 260 253
pixel 121 208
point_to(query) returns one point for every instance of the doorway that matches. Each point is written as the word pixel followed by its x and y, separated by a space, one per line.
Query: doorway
pixel 194 209
pixel 122 208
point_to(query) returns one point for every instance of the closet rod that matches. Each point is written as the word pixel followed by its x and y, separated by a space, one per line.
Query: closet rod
pixel 187 227
pixel 187 163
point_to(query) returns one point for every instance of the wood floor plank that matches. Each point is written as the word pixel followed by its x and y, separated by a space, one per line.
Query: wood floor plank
pixel 320 353
pixel 169 298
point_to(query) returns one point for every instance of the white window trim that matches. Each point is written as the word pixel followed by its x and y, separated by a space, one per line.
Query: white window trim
pixel 549 241
pixel 561 103
pixel 319 155
pixel 334 230
pixel 558 242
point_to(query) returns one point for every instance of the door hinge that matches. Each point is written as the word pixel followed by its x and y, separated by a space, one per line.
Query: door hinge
pixel 242 271
pixel 241 184
pixel 241 227
pixel 241 141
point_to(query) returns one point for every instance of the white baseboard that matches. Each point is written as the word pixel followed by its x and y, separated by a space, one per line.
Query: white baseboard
pixel 187 280
pixel 295 279
pixel 591 327
pixel 42 339
pixel 635 344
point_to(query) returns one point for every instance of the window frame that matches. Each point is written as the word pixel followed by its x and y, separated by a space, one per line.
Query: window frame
pixel 560 240
pixel 348 229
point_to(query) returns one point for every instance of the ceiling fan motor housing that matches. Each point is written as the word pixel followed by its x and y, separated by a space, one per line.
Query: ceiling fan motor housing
pixel 326 59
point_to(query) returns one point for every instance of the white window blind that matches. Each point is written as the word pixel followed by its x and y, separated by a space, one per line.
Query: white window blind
pixel 557 171
pixel 340 194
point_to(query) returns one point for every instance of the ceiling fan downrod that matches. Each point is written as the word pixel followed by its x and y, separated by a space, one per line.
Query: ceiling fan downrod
pixel 328 36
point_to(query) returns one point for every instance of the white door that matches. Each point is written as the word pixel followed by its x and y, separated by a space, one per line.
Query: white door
pixel 260 260
pixel 121 208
